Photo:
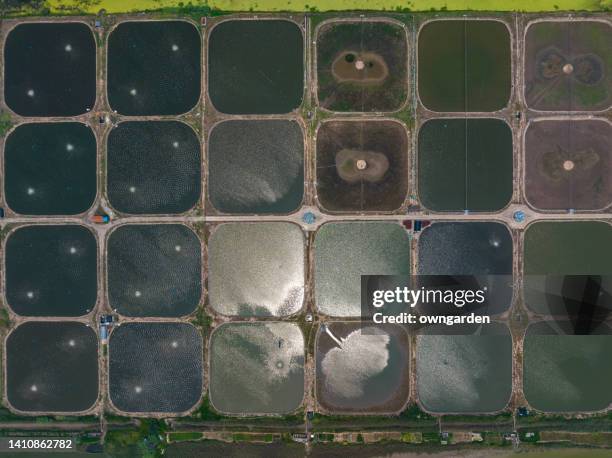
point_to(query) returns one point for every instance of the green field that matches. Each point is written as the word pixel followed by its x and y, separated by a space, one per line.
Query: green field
pixel 125 6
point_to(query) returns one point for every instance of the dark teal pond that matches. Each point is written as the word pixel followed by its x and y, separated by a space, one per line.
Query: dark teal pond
pixel 50 69
pixel 50 168
pixel 465 164
pixel 464 65
pixel 153 167
pixel 155 367
pixel 51 270
pixel 154 270
pixel 256 67
pixel 256 166
pixel 154 67
pixel 42 363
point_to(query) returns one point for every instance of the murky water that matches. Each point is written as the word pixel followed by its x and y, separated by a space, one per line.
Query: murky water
pixel 464 65
pixel 564 372
pixel 345 251
pixel 50 69
pixel 51 270
pixel 362 367
pixel 256 166
pixel 155 367
pixel 154 67
pixel 465 164
pixel 257 368
pixel 555 250
pixel 464 368
pixel 52 367
pixel 154 270
pixel 50 168
pixel 480 249
pixel 153 167
pixel 256 66
pixel 256 269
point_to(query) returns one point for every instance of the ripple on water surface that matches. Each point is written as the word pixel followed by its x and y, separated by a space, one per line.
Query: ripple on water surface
pixel 256 166
pixel 50 69
pixel 154 270
pixel 362 367
pixel 154 67
pixel 464 368
pixel 50 168
pixel 155 367
pixel 483 250
pixel 52 367
pixel 257 368
pixel 153 167
pixel 345 251
pixel 51 270
pixel 256 269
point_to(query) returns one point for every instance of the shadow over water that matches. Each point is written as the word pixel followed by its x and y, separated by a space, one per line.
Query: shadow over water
pixel 51 270
pixel 50 69
pixel 50 168
pixel 155 367
pixel 52 367
pixel 154 67
pixel 154 270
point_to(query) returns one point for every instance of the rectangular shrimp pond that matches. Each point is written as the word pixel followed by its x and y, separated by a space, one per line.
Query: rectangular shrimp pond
pixel 189 208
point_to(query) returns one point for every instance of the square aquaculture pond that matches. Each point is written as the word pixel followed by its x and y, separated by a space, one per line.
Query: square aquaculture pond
pixel 256 166
pixel 464 65
pixel 52 367
pixel 51 270
pixel 568 164
pixel 256 269
pixel 568 270
pixel 153 167
pixel 568 65
pixel 155 367
pixel 50 69
pixel 256 368
pixel 362 368
pixel 362 165
pixel 154 270
pixel 362 66
pixel 464 368
pixel 465 164
pixel 481 250
pixel 256 66
pixel 565 372
pixel 50 168
pixel 345 251
pixel 154 67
